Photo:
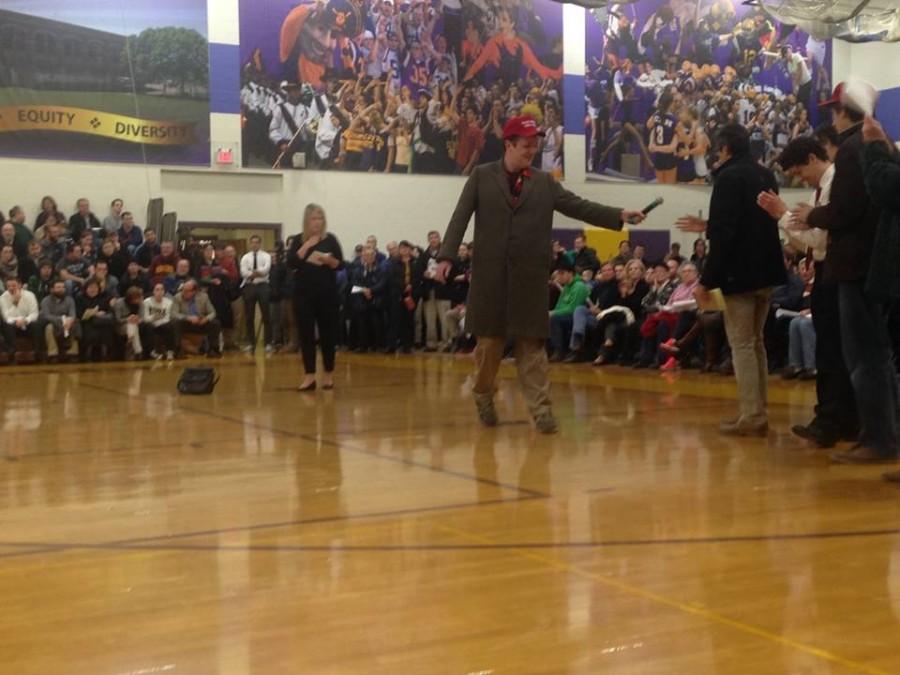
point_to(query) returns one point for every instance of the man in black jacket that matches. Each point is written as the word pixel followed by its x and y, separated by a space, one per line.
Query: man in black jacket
pixel 851 218
pixel 83 221
pixel 881 163
pixel 746 263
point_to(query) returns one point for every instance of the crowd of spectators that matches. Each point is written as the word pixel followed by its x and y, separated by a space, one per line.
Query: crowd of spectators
pixel 80 287
pixel 662 91
pixel 421 89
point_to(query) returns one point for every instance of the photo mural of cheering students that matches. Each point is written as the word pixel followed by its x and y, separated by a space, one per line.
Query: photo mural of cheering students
pixel 395 87
pixel 723 62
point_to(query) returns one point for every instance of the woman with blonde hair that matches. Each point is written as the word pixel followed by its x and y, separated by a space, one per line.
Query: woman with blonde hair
pixel 315 257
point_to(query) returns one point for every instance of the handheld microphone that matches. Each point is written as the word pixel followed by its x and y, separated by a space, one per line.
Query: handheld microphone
pixel 652 205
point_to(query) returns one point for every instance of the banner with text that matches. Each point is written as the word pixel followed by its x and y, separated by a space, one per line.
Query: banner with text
pixel 102 80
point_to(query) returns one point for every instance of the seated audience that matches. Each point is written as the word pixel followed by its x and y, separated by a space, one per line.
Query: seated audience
pixel 129 313
pixel 115 259
pixel 108 283
pixel 174 283
pixel 573 294
pixel 62 329
pixel 584 318
pixel 28 266
pixel 41 283
pixel 19 311
pixel 130 235
pixel 163 265
pixel 113 222
pixel 83 220
pixel 193 312
pixel 147 251
pixel 48 210
pixel 97 322
pixel 134 278
pixel 73 270
pixel 53 243
pixel 160 328
pixel 582 257
pixel 9 263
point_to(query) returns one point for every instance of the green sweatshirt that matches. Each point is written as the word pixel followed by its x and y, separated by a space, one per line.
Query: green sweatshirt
pixel 573 296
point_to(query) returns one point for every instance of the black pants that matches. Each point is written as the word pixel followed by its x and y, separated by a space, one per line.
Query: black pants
pixel 97 338
pixel 401 330
pixel 867 353
pixel 163 333
pixel 367 324
pixel 32 331
pixel 257 293
pixel 836 405
pixel 211 329
pixel 317 310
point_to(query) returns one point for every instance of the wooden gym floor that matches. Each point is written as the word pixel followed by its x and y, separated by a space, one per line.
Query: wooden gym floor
pixel 377 529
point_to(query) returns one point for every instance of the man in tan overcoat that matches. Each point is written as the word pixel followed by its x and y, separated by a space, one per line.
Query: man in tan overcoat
pixel 508 297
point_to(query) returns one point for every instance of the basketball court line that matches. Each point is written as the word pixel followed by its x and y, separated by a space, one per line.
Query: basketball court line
pixel 151 543
pixel 332 443
pixel 684 607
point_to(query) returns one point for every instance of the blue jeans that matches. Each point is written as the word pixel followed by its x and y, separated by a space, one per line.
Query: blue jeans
pixel 560 330
pixel 802 343
pixel 582 319
pixel 869 359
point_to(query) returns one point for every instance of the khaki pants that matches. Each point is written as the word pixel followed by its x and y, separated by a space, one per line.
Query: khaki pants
pixel 745 318
pixel 435 312
pixel 531 362
pixel 53 346
pixel 454 321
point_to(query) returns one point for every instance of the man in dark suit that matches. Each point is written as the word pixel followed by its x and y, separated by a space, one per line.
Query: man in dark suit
pixel 746 263
pixel 513 206
pixel 851 218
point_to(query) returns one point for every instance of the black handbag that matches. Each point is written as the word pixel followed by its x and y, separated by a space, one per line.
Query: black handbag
pixel 197 381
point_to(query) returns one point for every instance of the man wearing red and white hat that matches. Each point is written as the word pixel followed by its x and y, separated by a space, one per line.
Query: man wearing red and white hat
pixel 513 206
pixel 851 219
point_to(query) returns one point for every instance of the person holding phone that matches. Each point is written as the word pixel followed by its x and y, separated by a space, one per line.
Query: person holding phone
pixel 315 257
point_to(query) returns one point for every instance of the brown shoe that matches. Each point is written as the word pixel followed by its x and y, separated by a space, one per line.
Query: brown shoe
pixel 892 476
pixel 862 454
pixel 546 423
pixel 740 428
pixel 487 413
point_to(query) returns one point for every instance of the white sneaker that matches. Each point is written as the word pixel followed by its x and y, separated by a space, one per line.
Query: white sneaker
pixel 270 349
pixel 170 356
pixel 156 355
pixel 247 349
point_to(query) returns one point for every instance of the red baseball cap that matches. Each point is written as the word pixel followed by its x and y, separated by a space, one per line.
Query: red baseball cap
pixel 836 97
pixel 524 126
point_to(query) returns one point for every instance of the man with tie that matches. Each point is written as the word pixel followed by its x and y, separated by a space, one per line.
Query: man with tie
pixel 255 268
pixel 835 415
pixel 508 297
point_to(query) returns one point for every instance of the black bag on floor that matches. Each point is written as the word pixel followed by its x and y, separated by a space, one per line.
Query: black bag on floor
pixel 197 381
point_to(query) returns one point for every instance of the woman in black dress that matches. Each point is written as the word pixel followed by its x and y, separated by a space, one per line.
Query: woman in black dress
pixel 315 257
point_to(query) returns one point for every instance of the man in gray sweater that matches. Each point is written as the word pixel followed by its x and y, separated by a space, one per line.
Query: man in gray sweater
pixel 61 328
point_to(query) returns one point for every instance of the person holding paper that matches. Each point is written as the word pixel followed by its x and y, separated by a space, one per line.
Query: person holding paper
pixel 745 262
pixel 314 256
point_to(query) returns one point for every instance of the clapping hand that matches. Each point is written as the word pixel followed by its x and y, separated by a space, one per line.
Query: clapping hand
pixel 800 219
pixel 691 224
pixel 772 204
